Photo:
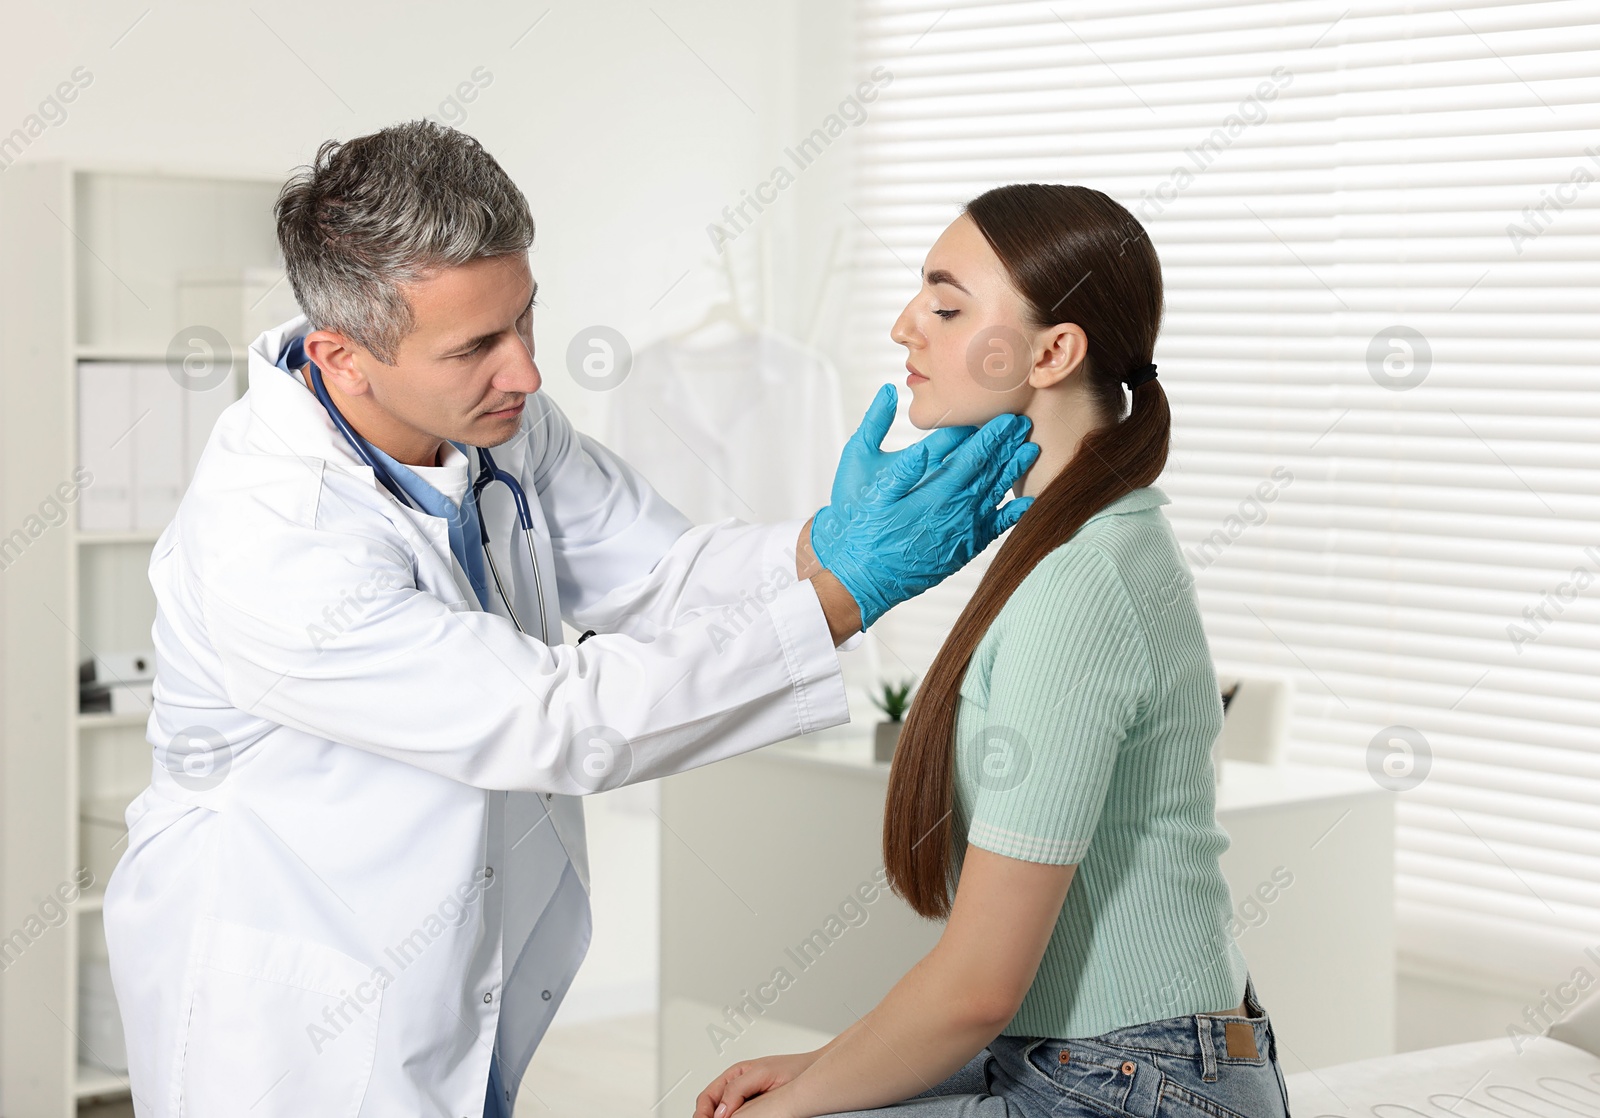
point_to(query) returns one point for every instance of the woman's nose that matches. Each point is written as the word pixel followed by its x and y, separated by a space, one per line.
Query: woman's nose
pixel 903 331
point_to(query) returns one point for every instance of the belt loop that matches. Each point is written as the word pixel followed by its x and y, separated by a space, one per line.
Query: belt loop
pixel 1253 1007
pixel 1208 1054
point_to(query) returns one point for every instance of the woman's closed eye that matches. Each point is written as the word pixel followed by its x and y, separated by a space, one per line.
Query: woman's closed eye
pixel 946 314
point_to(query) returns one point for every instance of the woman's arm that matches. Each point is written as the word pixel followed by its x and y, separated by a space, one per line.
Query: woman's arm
pixel 946 1008
pixel 1072 676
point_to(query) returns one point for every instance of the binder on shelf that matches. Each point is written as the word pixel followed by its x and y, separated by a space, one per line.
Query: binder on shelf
pixel 202 409
pixel 105 448
pixel 140 434
pixel 158 458
pixel 118 667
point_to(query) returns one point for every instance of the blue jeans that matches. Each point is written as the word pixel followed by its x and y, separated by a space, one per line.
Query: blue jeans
pixel 1199 1066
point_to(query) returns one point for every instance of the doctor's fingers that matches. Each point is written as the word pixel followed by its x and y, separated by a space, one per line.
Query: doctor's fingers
pixel 1026 455
pixel 879 417
pixel 1001 517
pixel 1010 512
pixel 904 475
pixel 945 440
pixel 978 462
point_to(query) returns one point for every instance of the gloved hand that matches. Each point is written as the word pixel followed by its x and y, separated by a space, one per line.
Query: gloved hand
pixel 863 462
pixel 914 531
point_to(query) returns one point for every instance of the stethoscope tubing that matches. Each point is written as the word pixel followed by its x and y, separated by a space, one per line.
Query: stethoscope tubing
pixel 488 473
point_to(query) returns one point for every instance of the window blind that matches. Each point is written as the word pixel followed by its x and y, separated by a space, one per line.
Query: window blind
pixel 1379 225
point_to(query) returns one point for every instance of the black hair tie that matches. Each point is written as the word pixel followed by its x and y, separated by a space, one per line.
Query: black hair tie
pixel 1142 375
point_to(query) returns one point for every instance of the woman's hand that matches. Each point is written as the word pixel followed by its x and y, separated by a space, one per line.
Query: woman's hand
pixel 774 1104
pixel 728 1091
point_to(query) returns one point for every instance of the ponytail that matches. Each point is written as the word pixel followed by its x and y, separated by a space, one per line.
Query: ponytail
pixel 1050 239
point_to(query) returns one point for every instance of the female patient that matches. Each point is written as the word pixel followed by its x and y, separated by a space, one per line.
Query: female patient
pixel 1052 794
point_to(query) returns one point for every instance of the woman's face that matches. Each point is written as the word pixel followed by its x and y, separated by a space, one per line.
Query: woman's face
pixel 971 353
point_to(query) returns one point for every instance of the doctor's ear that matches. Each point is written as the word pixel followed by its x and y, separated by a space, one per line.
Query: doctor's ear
pixel 335 355
pixel 1061 349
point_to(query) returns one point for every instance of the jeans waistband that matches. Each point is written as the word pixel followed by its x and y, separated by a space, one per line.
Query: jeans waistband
pixel 1210 1037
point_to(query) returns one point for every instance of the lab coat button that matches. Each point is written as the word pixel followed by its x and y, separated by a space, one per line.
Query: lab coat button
pixel 488 997
pixel 488 873
pixel 545 994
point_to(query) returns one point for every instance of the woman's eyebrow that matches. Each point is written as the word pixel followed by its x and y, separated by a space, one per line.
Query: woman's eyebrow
pixel 939 275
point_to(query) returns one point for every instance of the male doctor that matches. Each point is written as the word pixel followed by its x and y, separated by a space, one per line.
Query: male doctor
pixel 357 882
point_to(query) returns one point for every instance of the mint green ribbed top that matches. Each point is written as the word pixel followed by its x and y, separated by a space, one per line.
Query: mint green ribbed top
pixel 1084 731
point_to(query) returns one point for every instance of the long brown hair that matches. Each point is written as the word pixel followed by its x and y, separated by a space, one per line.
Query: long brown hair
pixel 1075 256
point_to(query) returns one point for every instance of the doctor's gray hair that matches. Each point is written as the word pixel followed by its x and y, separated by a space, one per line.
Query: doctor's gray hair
pixel 379 211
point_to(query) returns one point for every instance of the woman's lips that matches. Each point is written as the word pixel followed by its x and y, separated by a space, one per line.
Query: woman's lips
pixel 915 377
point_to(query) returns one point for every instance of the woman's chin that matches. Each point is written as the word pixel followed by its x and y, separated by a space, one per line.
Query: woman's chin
pixel 924 416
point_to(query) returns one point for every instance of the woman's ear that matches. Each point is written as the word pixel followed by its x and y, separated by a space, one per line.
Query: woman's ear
pixel 1062 349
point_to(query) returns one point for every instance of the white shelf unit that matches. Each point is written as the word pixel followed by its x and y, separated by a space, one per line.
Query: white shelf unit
pixel 96 264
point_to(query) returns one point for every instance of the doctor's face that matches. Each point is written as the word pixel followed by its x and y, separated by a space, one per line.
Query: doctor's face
pixel 969 347
pixel 466 367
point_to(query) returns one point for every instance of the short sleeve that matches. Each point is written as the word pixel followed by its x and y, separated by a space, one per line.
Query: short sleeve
pixel 1066 684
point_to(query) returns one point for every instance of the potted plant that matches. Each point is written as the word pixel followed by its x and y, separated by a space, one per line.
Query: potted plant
pixel 892 699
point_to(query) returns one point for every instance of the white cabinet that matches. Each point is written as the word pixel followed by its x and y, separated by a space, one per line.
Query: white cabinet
pixel 127 297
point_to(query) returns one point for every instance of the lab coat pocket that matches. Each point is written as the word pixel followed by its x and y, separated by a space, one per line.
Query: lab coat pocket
pixel 277 1025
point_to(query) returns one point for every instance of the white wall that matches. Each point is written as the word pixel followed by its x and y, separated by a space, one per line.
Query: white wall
pixel 629 126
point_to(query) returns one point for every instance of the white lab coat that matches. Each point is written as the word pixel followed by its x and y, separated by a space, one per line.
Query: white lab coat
pixel 360 859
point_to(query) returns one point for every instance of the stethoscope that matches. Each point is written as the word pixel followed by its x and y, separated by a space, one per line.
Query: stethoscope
pixel 488 472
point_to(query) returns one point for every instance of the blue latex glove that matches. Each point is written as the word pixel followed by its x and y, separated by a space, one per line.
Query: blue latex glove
pixel 914 531
pixel 863 462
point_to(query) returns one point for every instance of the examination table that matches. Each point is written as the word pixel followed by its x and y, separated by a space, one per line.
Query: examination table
pixel 1557 1074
